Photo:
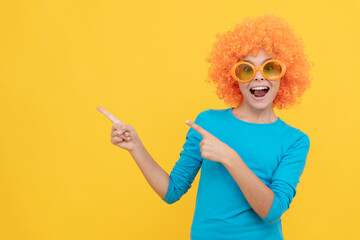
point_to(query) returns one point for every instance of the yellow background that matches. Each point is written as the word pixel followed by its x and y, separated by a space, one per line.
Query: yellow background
pixel 60 176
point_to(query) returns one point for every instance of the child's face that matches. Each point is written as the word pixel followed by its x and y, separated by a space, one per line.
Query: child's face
pixel 259 80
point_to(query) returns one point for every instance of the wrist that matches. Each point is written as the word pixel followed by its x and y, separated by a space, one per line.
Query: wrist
pixel 233 159
pixel 137 147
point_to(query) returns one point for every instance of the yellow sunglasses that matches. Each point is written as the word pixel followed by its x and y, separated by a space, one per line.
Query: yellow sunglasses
pixel 272 70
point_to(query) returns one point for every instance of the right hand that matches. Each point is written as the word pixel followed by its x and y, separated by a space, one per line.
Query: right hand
pixel 122 135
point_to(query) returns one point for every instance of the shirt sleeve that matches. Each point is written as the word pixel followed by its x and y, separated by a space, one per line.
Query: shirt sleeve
pixel 188 165
pixel 287 176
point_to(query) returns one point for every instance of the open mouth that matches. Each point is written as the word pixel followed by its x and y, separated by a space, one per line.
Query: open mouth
pixel 259 92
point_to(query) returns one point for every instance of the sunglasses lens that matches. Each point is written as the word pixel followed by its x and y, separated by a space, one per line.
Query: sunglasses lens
pixel 244 71
pixel 272 70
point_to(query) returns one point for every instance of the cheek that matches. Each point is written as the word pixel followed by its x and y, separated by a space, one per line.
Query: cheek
pixel 243 89
pixel 276 87
pixel 275 90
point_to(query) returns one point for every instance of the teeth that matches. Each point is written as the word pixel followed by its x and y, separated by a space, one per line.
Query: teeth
pixel 259 88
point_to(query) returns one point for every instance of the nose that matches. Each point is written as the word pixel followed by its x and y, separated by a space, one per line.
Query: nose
pixel 258 76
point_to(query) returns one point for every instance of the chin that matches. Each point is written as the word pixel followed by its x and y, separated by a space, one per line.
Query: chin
pixel 258 104
pixel 261 106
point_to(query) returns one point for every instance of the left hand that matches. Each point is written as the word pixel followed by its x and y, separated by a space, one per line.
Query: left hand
pixel 211 147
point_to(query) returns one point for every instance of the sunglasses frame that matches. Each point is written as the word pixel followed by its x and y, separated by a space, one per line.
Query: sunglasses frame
pixel 260 68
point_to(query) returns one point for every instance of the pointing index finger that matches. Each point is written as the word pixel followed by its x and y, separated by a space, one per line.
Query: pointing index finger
pixel 199 129
pixel 108 114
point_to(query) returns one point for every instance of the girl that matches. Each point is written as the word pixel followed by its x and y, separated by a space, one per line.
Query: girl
pixel 250 159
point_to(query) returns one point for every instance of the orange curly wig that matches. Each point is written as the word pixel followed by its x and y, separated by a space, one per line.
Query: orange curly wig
pixel 272 34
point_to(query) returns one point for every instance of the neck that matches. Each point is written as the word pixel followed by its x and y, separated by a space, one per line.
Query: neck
pixel 249 114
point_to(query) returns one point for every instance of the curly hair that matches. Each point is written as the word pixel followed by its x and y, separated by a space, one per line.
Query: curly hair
pixel 272 34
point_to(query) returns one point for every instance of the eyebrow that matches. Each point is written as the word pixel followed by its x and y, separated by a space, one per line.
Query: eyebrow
pixel 253 63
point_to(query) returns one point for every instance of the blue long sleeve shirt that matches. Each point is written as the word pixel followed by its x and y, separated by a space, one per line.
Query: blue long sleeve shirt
pixel 275 152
